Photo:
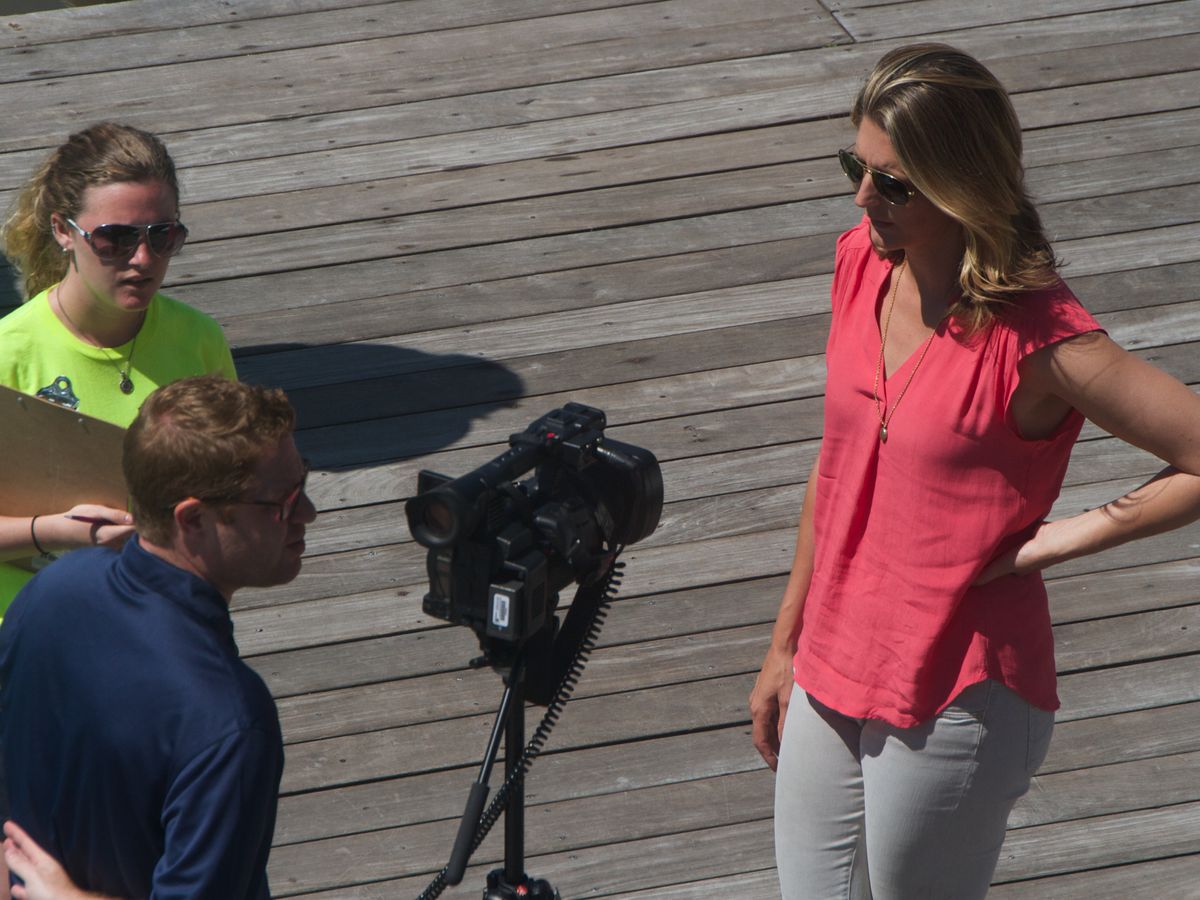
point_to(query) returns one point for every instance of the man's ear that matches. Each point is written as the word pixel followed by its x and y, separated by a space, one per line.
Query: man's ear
pixel 189 516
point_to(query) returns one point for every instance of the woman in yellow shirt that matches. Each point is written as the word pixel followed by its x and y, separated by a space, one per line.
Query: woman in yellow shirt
pixel 92 234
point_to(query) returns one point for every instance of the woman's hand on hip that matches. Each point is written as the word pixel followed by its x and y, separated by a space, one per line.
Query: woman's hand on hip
pixel 1049 543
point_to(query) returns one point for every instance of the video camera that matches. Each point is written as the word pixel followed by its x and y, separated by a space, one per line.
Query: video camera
pixel 500 549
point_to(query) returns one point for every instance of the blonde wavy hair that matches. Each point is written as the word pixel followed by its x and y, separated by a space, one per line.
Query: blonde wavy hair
pixel 955 132
pixel 104 153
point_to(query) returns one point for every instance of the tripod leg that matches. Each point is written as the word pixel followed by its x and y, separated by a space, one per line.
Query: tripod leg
pixel 479 790
pixel 514 814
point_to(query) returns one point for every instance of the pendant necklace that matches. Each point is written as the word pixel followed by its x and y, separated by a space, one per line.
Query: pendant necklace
pixel 884 416
pixel 126 383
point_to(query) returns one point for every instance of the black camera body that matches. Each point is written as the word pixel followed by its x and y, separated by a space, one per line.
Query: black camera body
pixel 500 549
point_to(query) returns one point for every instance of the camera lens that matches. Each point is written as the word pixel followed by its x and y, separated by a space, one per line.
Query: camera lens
pixel 437 519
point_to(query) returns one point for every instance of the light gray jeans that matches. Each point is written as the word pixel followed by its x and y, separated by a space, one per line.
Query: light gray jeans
pixel 868 811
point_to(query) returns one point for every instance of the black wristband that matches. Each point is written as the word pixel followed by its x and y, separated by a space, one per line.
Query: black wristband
pixel 33 535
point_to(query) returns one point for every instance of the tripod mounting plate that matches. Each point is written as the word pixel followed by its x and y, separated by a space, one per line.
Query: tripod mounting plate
pixel 499 888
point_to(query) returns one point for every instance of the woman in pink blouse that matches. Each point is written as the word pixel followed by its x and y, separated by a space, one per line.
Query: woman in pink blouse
pixel 912 658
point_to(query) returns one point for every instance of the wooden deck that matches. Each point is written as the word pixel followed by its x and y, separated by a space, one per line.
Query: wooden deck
pixel 434 220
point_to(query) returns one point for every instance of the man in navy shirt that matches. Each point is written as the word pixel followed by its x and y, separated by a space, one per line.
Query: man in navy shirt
pixel 140 751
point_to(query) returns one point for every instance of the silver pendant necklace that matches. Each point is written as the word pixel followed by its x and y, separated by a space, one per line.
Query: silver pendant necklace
pixel 126 383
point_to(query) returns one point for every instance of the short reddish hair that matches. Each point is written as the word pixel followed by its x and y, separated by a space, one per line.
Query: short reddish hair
pixel 199 437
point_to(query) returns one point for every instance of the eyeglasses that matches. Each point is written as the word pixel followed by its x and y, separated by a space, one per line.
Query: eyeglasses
pixel 284 509
pixel 111 242
pixel 890 188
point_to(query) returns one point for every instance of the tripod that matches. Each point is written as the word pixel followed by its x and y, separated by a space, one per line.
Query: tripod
pixel 510 882
pixel 559 664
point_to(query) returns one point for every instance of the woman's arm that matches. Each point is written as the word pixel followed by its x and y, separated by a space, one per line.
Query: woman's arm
pixel 773 688
pixel 62 532
pixel 1138 403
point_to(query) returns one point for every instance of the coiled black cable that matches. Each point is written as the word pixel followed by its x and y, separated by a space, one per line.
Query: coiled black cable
pixel 605 590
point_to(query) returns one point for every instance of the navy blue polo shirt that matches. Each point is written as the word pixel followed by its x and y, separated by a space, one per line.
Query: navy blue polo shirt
pixel 139 749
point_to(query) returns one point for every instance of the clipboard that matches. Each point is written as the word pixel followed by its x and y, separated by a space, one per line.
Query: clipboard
pixel 52 457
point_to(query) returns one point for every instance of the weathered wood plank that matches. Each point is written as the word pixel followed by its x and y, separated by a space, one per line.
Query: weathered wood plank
pixel 544 375
pixel 473 435
pixel 617 769
pixel 706 561
pixel 1107 642
pixel 668 860
pixel 441 63
pixel 1137 686
pixel 380 436
pixel 1108 789
pixel 203 30
pixel 371 441
pixel 633 815
pixel 1158 586
pixel 335 684
pixel 669 709
pixel 538 373
pixel 703 802
pixel 1172 877
pixel 772 163
pixel 1123 737
pixel 611 670
pixel 554 777
pixel 399 567
pixel 464 266
pixel 762 883
pixel 436 307
pixel 660 317
pixel 913 18
pixel 401 654
pixel 649 162
pixel 1100 461
pixel 141 16
pixel 704 853
pixel 384 225
pixel 453 742
pixel 1043 36
pixel 677 658
pixel 700 197
pixel 324 624
pixel 640 320
pixel 1100 841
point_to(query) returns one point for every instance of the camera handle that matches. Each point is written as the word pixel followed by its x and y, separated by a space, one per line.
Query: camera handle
pixel 511 883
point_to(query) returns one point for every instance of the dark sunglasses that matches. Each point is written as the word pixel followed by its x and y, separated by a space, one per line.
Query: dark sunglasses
pixel 111 242
pixel 889 187
pixel 284 509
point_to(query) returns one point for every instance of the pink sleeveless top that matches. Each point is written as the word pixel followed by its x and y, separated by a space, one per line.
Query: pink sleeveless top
pixel 892 628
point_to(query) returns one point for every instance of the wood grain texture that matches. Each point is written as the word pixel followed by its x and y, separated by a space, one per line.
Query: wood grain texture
pixel 432 221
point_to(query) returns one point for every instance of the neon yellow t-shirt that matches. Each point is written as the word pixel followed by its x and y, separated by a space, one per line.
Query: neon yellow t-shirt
pixel 38 354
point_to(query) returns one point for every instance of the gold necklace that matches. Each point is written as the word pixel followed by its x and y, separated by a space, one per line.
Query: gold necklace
pixel 126 383
pixel 884 416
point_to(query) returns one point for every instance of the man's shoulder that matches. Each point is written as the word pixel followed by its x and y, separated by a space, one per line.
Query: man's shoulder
pixel 66 578
pixel 227 718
